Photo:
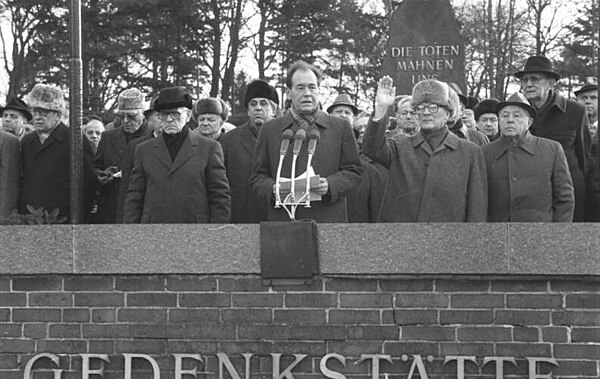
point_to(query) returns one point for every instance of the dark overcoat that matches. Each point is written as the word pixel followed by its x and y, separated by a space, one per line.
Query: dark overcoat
pixel 528 182
pixel 238 149
pixel 191 189
pixel 46 175
pixel 9 173
pixel 364 201
pixel 565 121
pixel 445 185
pixel 336 158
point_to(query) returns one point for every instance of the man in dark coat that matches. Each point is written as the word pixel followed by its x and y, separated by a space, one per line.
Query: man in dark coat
pixel 177 177
pixel 336 158
pixel 487 119
pixel 9 173
pixel 45 153
pixel 15 115
pixel 558 119
pixel 112 151
pixel 528 176
pixel 261 101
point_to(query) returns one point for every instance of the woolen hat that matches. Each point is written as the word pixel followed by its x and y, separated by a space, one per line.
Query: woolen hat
pixel 587 88
pixel 469 102
pixel 131 99
pixel 435 92
pixel 343 99
pixel 260 88
pixel 47 97
pixel 538 63
pixel 518 100
pixel 210 105
pixel 485 106
pixel 173 97
pixel 17 104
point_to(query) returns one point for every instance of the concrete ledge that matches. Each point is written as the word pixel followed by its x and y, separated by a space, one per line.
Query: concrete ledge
pixel 355 249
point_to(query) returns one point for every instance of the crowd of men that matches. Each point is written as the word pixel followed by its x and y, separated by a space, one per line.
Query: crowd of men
pixel 433 156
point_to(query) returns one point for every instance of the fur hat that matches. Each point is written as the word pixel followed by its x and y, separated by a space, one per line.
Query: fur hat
pixel 173 97
pixel 46 96
pixel 210 105
pixel 518 100
pixel 343 99
pixel 131 99
pixel 435 92
pixel 260 88
pixel 485 106
pixel 17 104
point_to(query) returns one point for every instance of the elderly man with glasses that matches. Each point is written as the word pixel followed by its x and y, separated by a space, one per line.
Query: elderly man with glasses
pixel 179 176
pixel 435 176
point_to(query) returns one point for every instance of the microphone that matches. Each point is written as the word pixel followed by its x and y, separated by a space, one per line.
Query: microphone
pixel 298 139
pixel 286 137
pixel 313 138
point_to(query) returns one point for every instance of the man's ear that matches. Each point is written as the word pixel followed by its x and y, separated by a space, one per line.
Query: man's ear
pixel 189 115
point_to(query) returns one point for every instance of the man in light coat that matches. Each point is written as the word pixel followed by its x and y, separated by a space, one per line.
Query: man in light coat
pixel 177 177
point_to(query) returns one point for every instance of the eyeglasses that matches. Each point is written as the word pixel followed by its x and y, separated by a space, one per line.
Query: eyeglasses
pixel 40 112
pixel 164 116
pixel 432 108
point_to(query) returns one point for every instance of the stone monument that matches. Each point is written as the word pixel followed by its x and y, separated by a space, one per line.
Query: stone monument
pixel 424 43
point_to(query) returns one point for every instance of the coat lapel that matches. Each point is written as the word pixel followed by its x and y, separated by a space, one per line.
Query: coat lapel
pixel 161 152
pixel 185 153
pixel 119 143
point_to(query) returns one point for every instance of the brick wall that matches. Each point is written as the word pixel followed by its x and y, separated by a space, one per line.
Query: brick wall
pixel 430 318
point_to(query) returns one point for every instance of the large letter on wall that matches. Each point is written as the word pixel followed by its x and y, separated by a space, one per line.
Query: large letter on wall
pixel 499 364
pixel 330 373
pixel 288 371
pixel 225 362
pixel 85 365
pixel 130 357
pixel 533 367
pixel 179 371
pixel 460 364
pixel 375 358
pixel 29 366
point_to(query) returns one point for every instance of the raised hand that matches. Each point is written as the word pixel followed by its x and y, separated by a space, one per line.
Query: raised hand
pixel 386 93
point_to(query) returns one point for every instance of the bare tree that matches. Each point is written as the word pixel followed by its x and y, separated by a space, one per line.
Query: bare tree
pixel 547 30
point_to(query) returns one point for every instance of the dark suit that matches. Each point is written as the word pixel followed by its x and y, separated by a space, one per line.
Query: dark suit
pixel 238 148
pixel 46 171
pixel 9 173
pixel 336 159
pixel 191 189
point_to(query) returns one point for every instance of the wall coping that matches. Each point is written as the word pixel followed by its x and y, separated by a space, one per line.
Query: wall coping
pixel 344 249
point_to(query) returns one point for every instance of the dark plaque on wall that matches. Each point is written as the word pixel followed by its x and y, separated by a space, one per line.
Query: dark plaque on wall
pixel 424 43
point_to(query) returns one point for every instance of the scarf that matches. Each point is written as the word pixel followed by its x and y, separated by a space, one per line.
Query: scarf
pixel 304 121
pixel 435 137
pixel 174 142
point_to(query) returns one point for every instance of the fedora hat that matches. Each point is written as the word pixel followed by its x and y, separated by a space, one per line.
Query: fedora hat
pixel 591 84
pixel 538 63
pixel 518 100
pixel 173 97
pixel 17 104
pixel 343 99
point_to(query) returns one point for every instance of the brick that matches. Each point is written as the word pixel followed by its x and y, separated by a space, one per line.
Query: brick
pixel 577 351
pixel 484 333
pixel 8 361
pixel 524 349
pixel 210 332
pixel 4 314
pixel 36 331
pixel 397 349
pixel 151 299
pixel 310 348
pixel 12 299
pixel 476 349
pixel 519 286
pixel 88 283
pixel 62 346
pixel 187 346
pixel 356 348
pixel 585 335
pixel 10 330
pixel 526 301
pixel 264 332
pixel 299 316
pixel 514 317
pixel 477 301
pixel 75 315
pixel 247 315
pixel 173 331
pixel 318 333
pixel 101 346
pixel 193 315
pixel 112 331
pixel 9 345
pixel 311 300
pixel 37 283
pixel 50 299
pixel 142 315
pixel 353 317
pixel 582 368
pixel 4 284
pixel 422 300
pixel 36 314
pixel 525 334
pixel 583 301
pixel 428 333
pixel 65 331
pixel 311 285
pixel 443 285
pixel 99 299
pixel 373 333
pixel 141 347
pixel 257 300
pixel 575 286
pixel 140 284
pixel 410 317
pixel 555 334
pixel 257 347
pixel 448 317
pixel 206 300
pixel 368 300
pixel 304 367
pixel 351 285
pixel 406 285
pixel 576 318
pixel 241 285
pixel 192 283
pixel 104 315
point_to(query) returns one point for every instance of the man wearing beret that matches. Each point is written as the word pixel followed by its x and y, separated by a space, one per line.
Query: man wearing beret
pixel 336 158
pixel 112 152
pixel 177 177
pixel 210 114
pixel 261 101
pixel 14 117
pixel 528 176
pixel 558 119
pixel 487 119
